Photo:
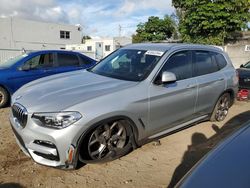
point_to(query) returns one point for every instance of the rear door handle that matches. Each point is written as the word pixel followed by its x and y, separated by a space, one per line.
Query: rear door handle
pixel 221 79
pixel 48 70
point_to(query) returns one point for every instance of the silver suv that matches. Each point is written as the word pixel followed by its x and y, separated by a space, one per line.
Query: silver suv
pixel 137 94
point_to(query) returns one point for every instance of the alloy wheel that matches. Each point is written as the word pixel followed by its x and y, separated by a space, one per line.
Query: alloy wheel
pixel 222 108
pixel 106 140
pixel 1 98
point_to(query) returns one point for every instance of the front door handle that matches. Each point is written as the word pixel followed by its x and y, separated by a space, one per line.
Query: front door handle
pixel 190 86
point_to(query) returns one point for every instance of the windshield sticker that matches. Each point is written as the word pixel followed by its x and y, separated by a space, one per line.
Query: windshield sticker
pixel 155 53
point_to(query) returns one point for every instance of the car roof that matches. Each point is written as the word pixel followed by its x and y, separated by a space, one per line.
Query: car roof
pixel 167 46
pixel 53 51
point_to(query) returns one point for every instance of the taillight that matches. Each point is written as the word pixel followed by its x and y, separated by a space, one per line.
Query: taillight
pixel 237 76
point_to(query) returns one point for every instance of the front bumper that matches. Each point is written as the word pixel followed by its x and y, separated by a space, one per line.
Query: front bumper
pixel 55 148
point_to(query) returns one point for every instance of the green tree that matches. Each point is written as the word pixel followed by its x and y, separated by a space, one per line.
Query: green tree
pixel 85 37
pixel 155 29
pixel 211 21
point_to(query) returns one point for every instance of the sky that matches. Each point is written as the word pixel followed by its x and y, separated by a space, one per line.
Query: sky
pixel 97 17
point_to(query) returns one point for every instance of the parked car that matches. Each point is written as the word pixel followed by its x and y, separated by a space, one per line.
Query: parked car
pixel 244 76
pixel 137 94
pixel 225 166
pixel 20 70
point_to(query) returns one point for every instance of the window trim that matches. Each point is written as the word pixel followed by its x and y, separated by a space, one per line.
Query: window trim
pixel 192 50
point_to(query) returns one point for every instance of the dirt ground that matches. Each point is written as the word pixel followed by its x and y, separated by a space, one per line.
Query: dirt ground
pixel 153 165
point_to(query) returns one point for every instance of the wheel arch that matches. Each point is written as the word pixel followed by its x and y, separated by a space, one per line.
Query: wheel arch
pixel 232 95
pixel 6 88
pixel 131 124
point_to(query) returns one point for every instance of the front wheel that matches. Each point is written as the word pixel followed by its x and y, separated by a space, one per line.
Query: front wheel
pixel 107 142
pixel 221 108
pixel 4 97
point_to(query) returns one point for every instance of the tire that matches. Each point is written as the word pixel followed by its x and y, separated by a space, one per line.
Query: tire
pixel 4 97
pixel 106 142
pixel 221 108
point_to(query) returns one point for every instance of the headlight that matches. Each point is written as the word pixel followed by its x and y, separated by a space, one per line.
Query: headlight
pixel 57 120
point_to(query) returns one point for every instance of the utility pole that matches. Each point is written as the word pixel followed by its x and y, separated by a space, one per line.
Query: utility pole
pixel 120 30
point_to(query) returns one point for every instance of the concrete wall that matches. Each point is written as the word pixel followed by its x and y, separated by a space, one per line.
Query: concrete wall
pixel 6 54
pixel 18 33
pixel 238 54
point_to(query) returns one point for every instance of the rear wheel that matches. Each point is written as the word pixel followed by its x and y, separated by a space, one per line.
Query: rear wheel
pixel 4 97
pixel 221 108
pixel 107 142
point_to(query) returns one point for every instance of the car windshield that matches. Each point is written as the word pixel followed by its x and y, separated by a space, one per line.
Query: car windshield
pixel 10 62
pixel 128 64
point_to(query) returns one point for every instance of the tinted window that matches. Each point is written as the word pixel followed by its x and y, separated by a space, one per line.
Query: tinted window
pixel 67 60
pixel 84 60
pixel 40 61
pixel 180 64
pixel 204 63
pixel 220 60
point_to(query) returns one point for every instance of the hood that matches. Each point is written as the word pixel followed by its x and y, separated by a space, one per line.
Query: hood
pixel 58 92
pixel 4 68
pixel 244 72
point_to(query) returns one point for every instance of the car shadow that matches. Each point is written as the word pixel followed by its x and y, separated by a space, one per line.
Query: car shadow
pixel 10 185
pixel 201 145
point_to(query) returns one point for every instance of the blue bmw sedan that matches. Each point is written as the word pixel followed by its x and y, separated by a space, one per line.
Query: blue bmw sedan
pixel 20 70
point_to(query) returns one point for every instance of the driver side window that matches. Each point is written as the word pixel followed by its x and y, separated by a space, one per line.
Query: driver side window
pixel 180 64
pixel 40 61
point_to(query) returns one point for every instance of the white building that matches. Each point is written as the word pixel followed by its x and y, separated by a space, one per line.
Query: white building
pixel 99 48
pixel 18 33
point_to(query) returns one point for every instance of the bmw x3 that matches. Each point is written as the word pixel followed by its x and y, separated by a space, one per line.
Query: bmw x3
pixel 139 93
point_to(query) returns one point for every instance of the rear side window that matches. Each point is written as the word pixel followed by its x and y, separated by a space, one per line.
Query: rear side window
pixel 84 60
pixel 221 61
pixel 180 64
pixel 204 63
pixel 67 60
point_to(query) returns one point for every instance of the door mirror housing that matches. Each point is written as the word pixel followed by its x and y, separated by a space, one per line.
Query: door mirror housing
pixel 168 77
pixel 241 66
pixel 24 68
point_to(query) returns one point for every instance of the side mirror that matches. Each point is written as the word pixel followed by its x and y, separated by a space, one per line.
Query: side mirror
pixel 241 66
pixel 168 77
pixel 24 68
